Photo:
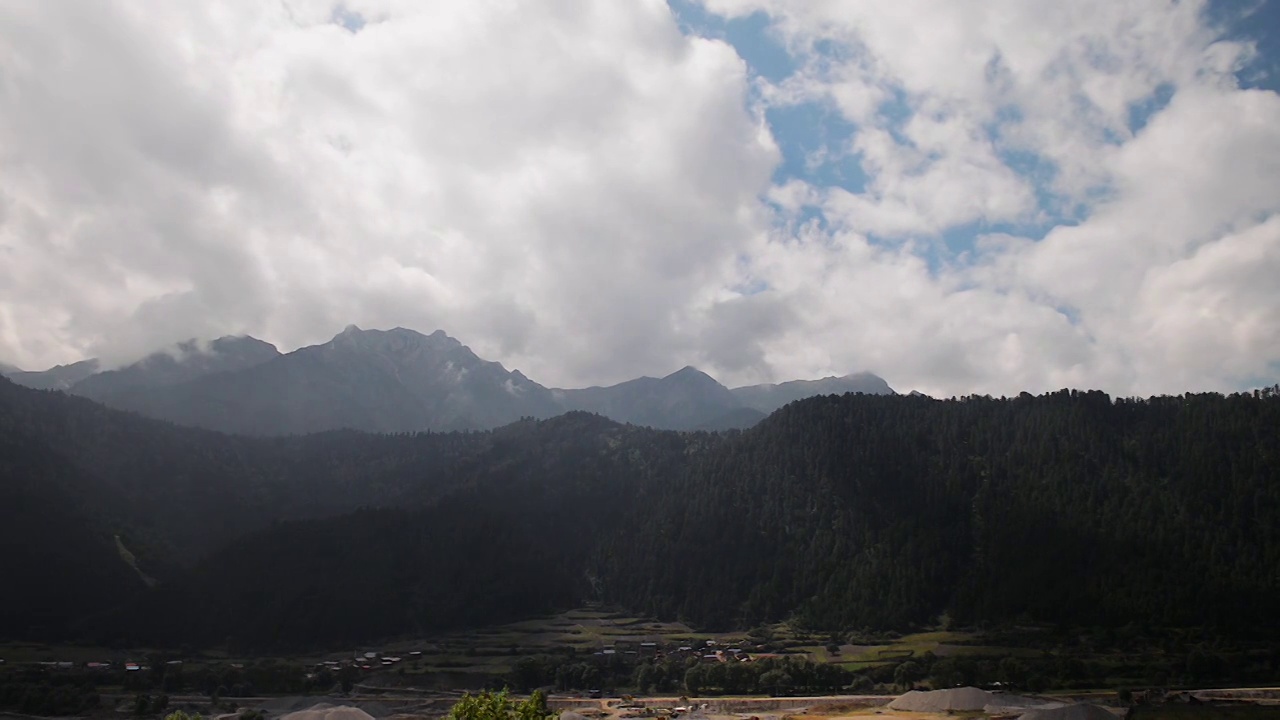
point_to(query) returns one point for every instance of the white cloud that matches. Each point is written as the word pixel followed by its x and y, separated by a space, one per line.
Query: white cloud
pixel 1072 71
pixel 947 177
pixel 1143 222
pixel 1215 313
pixel 557 184
pixel 581 191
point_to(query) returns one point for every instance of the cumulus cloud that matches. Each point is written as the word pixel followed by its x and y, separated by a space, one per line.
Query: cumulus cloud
pixel 1081 156
pixel 1055 194
pixel 557 185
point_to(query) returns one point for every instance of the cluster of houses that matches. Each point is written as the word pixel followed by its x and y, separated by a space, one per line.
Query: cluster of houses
pixel 96 666
pixel 631 649
pixel 368 661
pixel 707 652
pixel 361 660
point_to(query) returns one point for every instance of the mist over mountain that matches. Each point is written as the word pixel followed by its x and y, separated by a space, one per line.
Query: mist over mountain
pixel 400 381
pixel 687 399
pixel 186 361
pixel 373 380
pixel 767 398
pixel 59 377
pixel 6 369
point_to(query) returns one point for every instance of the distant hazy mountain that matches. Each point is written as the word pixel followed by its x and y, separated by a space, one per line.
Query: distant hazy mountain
pixel 61 377
pixel 380 381
pixel 185 362
pixel 6 369
pixel 767 398
pixel 692 400
pixel 401 381
pixel 684 400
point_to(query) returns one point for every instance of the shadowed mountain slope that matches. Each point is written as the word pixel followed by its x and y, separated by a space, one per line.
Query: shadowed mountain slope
pixel 684 400
pixel 767 398
pixel 60 377
pixel 373 380
pixel 399 381
pixel 185 362
pixel 838 512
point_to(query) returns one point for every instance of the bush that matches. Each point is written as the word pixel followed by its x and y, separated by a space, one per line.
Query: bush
pixel 499 706
pixel 861 684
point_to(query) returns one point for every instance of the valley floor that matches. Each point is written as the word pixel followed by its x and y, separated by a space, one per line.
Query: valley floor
pixel 422 678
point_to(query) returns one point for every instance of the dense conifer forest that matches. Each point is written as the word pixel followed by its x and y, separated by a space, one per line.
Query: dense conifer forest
pixel 840 513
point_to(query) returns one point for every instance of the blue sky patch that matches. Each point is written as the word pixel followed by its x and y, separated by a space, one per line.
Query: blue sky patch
pixel 816 140
pixel 1256 21
pixel 1140 112
pixel 750 36
pixel 896 112
pixel 348 18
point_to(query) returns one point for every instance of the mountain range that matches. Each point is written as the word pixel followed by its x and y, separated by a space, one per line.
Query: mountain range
pixel 836 513
pixel 400 380
pixel 59 377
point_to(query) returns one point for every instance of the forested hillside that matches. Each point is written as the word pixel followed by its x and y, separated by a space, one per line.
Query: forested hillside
pixel 838 512
pixel 187 491
pixel 516 539
pixel 54 555
pixel 74 475
pixel 882 511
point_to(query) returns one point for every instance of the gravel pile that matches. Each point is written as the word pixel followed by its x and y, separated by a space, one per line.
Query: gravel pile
pixel 965 699
pixel 1002 704
pixel 283 707
pixel 326 711
pixel 1079 711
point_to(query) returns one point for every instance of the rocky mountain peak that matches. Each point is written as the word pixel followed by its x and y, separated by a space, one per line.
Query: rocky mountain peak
pixel 399 380
pixel 690 375
pixel 395 340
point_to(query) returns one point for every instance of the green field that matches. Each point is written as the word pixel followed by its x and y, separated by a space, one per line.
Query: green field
pixel 1074 660
pixel 585 631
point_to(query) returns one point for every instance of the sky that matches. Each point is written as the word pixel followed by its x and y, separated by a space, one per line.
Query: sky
pixel 969 197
